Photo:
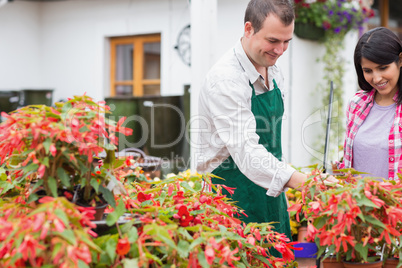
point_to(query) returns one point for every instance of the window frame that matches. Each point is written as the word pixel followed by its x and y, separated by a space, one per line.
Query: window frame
pixel 138 82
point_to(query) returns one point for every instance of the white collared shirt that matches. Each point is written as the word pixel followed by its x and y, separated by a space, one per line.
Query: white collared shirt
pixel 227 124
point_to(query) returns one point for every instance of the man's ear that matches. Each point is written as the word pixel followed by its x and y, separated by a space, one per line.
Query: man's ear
pixel 248 29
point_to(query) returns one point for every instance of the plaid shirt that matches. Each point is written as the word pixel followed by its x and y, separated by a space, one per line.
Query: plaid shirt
pixel 358 109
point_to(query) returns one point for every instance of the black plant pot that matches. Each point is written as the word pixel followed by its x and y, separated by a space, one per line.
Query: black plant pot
pixel 309 31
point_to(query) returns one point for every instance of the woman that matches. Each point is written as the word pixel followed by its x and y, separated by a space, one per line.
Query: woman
pixel 374 115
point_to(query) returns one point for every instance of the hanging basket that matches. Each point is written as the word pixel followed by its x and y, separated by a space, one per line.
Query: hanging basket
pixel 309 31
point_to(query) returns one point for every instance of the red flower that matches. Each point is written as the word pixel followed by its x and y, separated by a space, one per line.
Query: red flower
pixel 143 197
pixel 68 195
pixel 209 254
pixel 184 216
pixel 326 25
pixel 123 246
pixel 229 189
pixel 179 197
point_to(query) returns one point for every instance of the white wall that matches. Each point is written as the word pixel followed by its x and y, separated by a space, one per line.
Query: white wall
pixel 63 45
pixel 19 46
pixel 307 111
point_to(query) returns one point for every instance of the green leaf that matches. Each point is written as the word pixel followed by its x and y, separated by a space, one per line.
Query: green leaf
pixel 195 243
pixel 197 186
pixel 108 196
pixel 113 217
pixel 62 216
pixel 185 234
pixel 32 197
pixel 84 237
pixel 161 234
pixel 263 259
pixel 94 183
pixel 202 260
pixel 363 251
pixel 5 186
pixel 223 229
pixel 186 186
pixel 374 221
pixel 146 203
pixel 239 264
pixel 132 263
pixel 63 176
pixel 56 250
pixel 45 161
pixel 31 167
pixel 364 201
pixel 153 257
pixel 111 248
pixel 46 144
pixel 132 235
pixel 162 198
pixel 51 182
pixel 69 236
pixel 183 248
pixel 82 264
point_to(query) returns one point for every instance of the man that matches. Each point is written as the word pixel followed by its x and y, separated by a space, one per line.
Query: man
pixel 241 108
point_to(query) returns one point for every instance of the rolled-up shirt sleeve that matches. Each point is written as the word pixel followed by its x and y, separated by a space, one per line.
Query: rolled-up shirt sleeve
pixel 235 125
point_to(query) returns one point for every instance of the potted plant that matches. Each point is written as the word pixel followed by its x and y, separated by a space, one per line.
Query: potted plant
pixel 316 18
pixel 355 221
pixel 57 149
pixel 298 224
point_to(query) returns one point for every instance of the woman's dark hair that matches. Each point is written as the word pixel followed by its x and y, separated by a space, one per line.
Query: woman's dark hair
pixel 379 45
pixel 258 10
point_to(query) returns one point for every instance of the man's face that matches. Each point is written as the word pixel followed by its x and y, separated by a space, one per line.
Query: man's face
pixel 268 44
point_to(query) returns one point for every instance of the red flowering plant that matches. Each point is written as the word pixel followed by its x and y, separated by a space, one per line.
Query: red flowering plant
pixel 55 233
pixel 357 220
pixel 58 148
pixel 182 223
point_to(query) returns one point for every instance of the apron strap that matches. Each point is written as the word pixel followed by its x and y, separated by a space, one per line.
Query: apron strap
pixel 251 85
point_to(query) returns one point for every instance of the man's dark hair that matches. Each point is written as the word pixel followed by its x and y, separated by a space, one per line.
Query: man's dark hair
pixel 379 45
pixel 258 10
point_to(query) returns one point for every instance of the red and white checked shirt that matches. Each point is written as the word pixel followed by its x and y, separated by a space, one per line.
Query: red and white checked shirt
pixel 358 109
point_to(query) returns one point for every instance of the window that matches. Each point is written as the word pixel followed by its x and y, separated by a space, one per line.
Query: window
pixel 135 65
pixel 387 14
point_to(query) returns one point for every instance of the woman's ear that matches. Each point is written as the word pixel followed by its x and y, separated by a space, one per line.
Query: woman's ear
pixel 400 59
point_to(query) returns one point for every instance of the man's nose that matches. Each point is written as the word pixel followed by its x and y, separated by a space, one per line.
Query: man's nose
pixel 279 49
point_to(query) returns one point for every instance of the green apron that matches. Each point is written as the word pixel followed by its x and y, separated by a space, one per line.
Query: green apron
pixel 268 110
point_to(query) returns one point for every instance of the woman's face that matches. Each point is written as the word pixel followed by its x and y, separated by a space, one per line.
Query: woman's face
pixel 384 78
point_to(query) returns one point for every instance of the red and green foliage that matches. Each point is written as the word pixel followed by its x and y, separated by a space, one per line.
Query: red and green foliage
pixel 56 146
pixel 356 220
pixel 56 233
pixel 176 222
pixel 181 223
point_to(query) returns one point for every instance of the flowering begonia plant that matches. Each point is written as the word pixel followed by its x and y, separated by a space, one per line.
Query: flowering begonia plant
pixel 56 233
pixel 357 220
pixel 55 147
pixel 181 223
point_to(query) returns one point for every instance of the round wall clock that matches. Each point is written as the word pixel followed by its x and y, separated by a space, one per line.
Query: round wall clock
pixel 183 46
